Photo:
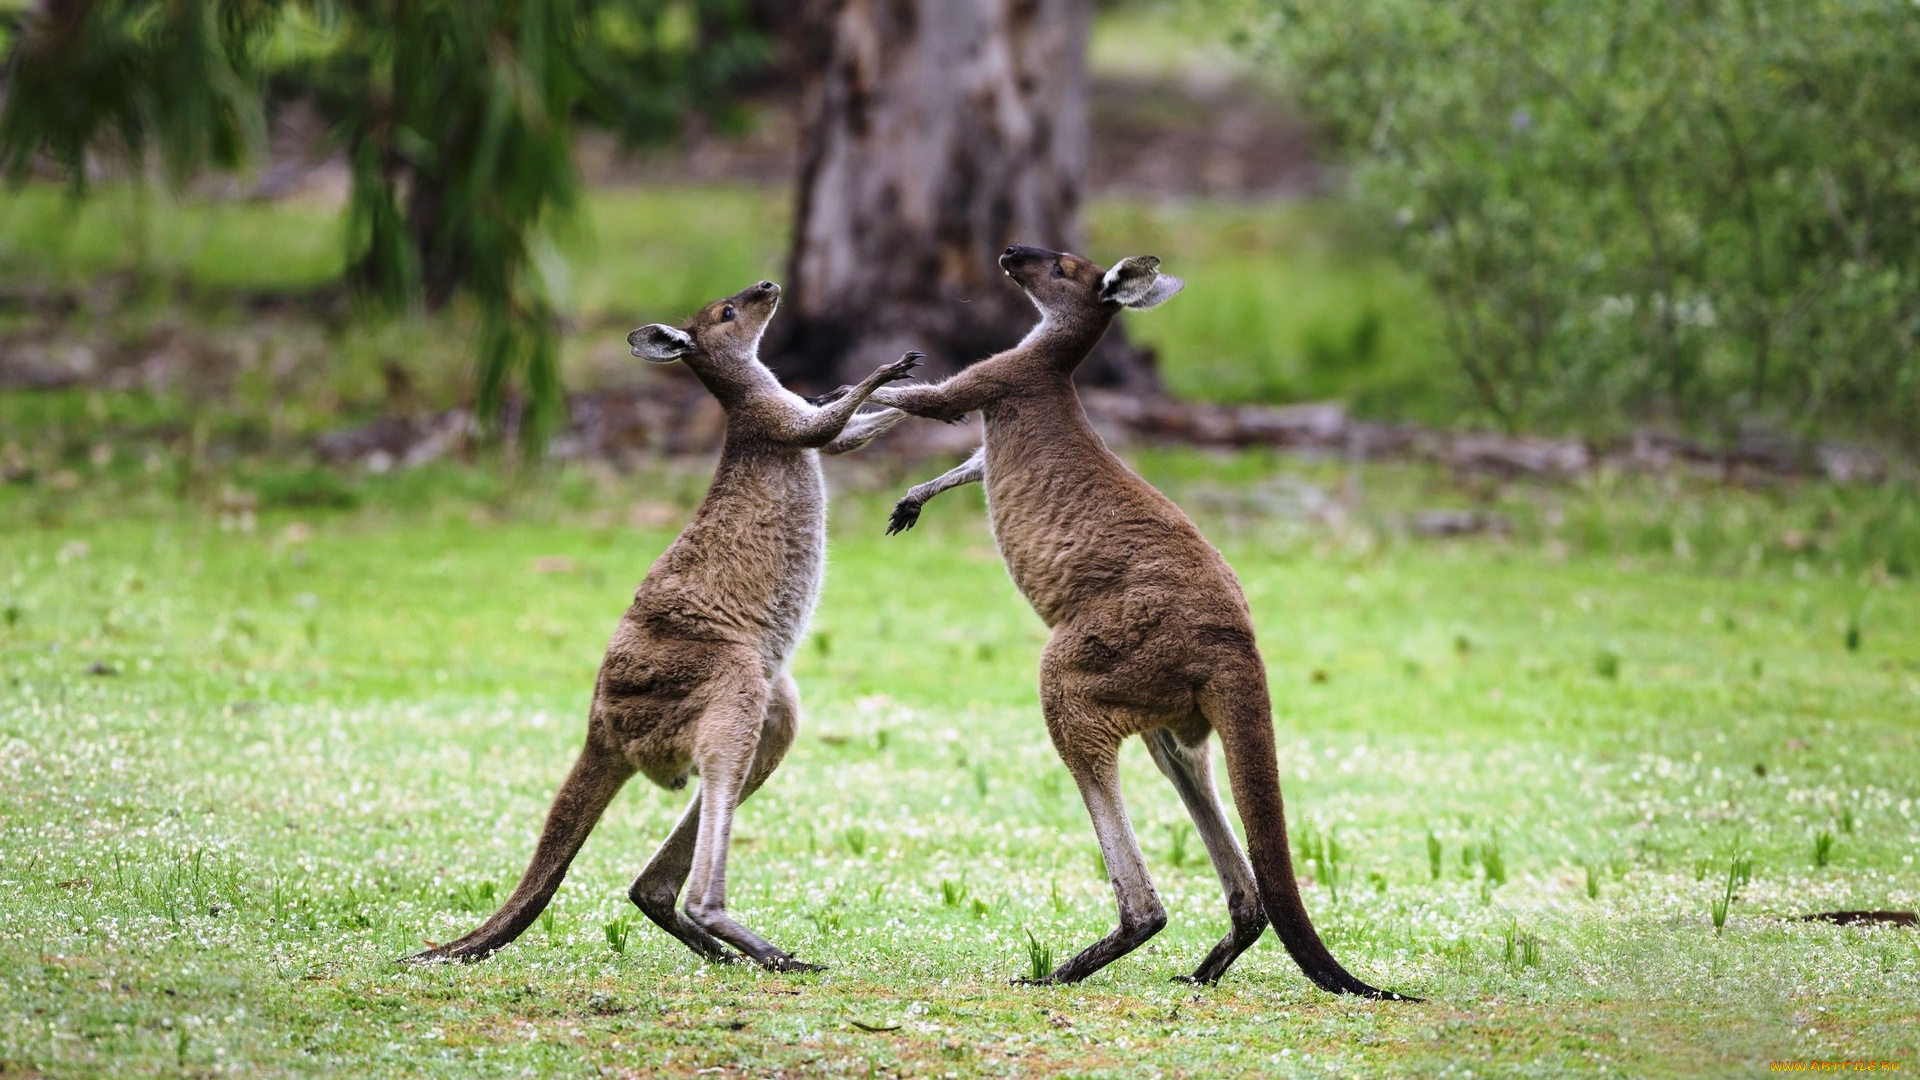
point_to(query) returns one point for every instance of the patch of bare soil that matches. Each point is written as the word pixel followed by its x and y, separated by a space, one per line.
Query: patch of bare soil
pixel 1864 918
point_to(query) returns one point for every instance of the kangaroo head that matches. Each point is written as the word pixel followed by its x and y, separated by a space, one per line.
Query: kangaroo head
pixel 1072 291
pixel 720 343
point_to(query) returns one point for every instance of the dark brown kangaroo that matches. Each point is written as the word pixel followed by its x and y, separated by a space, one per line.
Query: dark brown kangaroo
pixel 695 680
pixel 1151 632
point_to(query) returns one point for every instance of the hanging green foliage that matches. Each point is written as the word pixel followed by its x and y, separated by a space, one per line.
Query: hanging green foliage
pixel 457 118
pixel 134 77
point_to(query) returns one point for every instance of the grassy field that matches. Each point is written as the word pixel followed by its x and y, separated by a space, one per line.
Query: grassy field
pixel 1287 302
pixel 264 727
pixel 247 760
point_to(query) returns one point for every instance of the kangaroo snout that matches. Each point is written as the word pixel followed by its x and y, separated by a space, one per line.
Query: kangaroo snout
pixel 768 287
pixel 1021 253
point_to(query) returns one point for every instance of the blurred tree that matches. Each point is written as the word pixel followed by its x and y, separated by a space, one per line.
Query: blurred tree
pixel 935 133
pixel 458 122
pixel 1706 211
pixel 457 117
pixel 133 76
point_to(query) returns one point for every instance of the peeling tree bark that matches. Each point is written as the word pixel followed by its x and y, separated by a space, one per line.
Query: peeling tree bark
pixel 936 132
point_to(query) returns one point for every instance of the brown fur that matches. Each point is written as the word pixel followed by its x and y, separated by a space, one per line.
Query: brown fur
pixel 1151 632
pixel 695 679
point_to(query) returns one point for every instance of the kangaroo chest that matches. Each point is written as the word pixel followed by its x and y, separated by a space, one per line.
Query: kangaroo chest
pixel 748 568
pixel 782 577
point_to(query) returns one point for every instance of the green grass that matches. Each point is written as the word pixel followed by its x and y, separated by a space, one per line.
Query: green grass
pixel 48 237
pixel 1155 39
pixel 655 250
pixel 332 733
pixel 1284 302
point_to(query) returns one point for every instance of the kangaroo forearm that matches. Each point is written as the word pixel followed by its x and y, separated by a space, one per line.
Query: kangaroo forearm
pixel 863 429
pixel 822 425
pixel 819 426
pixel 931 402
pixel 971 471
pixel 949 401
pixel 841 411
pixel 907 511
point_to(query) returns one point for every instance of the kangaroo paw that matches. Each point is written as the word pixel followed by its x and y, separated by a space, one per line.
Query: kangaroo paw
pixel 906 513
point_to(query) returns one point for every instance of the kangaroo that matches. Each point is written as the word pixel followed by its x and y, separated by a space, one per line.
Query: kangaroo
pixel 695 680
pixel 1151 631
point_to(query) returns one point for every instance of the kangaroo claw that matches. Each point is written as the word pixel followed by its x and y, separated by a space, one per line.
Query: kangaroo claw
pixel 906 513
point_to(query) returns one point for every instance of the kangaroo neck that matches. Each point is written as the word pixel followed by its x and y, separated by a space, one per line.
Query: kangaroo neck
pixel 1061 342
pixel 748 459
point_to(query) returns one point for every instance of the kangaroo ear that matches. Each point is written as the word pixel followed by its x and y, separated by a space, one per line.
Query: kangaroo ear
pixel 1136 282
pixel 1161 291
pixel 660 343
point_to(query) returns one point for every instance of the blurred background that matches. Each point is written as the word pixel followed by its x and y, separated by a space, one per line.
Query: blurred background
pixel 256 249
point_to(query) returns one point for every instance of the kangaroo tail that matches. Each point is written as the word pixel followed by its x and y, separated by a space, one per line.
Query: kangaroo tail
pixel 589 788
pixel 1242 715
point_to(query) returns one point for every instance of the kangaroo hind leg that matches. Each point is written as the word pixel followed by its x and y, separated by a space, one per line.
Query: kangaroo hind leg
pixel 1092 755
pixel 1191 771
pixel 596 778
pixel 729 756
pixel 656 892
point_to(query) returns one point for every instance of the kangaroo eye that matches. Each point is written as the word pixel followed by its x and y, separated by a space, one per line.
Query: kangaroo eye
pixel 1059 271
pixel 726 313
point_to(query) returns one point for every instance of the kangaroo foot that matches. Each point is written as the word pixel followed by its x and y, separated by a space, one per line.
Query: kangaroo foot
pixel 788 963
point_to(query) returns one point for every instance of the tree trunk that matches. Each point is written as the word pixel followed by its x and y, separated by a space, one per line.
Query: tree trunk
pixel 936 133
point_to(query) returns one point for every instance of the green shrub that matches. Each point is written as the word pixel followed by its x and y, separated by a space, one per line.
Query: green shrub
pixel 1708 212
pixel 314 487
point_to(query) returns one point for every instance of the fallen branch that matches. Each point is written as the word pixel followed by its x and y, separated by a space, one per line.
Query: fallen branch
pixel 1863 918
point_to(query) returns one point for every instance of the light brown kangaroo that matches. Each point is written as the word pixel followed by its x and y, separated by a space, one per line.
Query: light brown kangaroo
pixel 695 680
pixel 1151 632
